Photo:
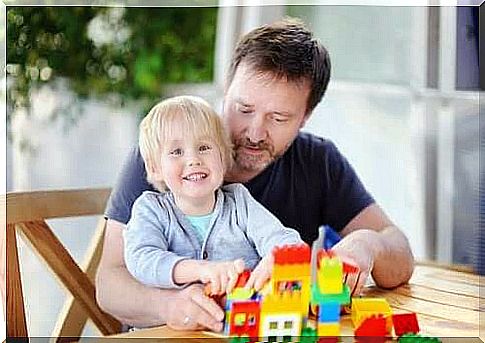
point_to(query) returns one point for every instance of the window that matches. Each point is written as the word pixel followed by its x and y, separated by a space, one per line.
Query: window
pixel 288 324
pixel 273 325
pixel 251 319
pixel 239 319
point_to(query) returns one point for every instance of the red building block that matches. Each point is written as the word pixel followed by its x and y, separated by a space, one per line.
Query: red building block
pixel 405 323
pixel 292 254
pixel 243 278
pixel 248 323
pixel 372 326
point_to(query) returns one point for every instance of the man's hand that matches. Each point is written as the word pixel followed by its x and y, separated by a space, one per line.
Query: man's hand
pixel 261 273
pixel 191 309
pixel 356 248
pixel 221 276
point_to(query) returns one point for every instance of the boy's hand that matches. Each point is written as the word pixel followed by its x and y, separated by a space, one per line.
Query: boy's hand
pixel 221 276
pixel 261 273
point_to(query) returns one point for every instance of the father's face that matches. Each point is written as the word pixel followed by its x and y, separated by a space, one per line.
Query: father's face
pixel 263 115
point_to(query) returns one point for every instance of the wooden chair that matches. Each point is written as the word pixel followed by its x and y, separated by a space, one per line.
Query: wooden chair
pixel 26 215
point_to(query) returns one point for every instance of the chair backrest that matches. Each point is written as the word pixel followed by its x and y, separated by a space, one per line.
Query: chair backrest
pixel 26 215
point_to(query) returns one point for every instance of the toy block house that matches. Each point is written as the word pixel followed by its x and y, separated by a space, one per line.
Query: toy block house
pixel 286 306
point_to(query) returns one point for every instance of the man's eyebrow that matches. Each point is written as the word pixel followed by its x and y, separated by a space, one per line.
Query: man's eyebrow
pixel 243 102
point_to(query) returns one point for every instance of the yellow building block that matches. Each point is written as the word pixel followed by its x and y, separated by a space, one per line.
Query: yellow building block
pixel 328 329
pixel 288 271
pixel 330 276
pixel 363 308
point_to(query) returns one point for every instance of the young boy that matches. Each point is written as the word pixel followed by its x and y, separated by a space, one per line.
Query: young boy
pixel 195 229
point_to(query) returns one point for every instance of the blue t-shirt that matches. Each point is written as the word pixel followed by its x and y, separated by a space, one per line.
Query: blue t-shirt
pixel 200 224
pixel 311 185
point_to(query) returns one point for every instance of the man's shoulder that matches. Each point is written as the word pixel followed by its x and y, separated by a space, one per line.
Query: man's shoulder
pixel 311 141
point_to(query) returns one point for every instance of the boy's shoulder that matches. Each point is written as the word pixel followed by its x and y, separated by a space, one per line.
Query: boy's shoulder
pixel 234 188
pixel 151 197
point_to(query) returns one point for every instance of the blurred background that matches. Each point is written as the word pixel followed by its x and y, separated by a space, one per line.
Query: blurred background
pixel 402 105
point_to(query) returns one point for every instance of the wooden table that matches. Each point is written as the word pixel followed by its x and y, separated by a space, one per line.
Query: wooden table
pixel 449 303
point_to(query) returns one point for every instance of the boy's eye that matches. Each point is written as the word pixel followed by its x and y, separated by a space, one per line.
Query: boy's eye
pixel 176 152
pixel 204 148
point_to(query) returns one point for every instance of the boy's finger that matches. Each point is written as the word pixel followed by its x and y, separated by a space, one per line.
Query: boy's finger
pixel 250 282
pixel 233 276
pixel 239 265
pixel 224 280
pixel 215 285
pixel 259 283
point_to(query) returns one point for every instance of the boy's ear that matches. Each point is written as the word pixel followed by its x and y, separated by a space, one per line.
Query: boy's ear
pixel 154 171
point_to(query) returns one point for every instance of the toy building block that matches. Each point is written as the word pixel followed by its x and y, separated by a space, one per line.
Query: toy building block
pixel 244 319
pixel 342 299
pixel 363 308
pixel 374 326
pixel 329 312
pixel 405 323
pixel 328 329
pixel 240 294
pixel 280 325
pixel 416 338
pixel 243 278
pixel 292 254
pixel 308 335
pixel 330 276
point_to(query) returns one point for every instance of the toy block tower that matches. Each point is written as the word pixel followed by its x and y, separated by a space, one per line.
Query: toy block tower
pixel 329 292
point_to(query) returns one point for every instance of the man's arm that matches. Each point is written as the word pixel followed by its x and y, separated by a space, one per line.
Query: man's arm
pixel 377 246
pixel 119 294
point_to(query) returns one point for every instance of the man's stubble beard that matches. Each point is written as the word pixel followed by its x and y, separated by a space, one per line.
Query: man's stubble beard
pixel 259 163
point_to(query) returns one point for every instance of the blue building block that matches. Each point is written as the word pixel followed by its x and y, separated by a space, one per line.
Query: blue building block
pixel 331 237
pixel 329 312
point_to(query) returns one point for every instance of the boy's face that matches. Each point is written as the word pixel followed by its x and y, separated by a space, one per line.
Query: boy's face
pixel 192 168
pixel 264 115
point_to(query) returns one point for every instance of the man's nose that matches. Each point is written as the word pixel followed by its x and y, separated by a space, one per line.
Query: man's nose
pixel 257 131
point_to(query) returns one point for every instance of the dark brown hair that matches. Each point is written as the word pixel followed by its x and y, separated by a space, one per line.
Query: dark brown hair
pixel 287 50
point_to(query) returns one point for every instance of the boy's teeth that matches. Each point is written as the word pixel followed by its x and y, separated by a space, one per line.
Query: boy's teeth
pixel 196 177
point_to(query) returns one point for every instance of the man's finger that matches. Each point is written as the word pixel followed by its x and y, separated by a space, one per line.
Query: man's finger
pixel 208 305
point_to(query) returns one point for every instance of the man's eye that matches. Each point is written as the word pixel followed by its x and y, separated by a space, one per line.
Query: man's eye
pixel 244 109
pixel 176 152
pixel 280 120
pixel 204 148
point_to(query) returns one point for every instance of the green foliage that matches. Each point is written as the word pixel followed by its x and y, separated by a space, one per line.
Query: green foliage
pixel 131 52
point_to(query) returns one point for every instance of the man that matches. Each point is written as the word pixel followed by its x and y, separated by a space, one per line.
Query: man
pixel 278 75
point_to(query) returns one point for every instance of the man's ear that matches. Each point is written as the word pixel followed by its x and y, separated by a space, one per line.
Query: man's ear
pixel 304 120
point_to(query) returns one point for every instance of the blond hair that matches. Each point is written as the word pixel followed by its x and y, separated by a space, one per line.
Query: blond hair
pixel 200 121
